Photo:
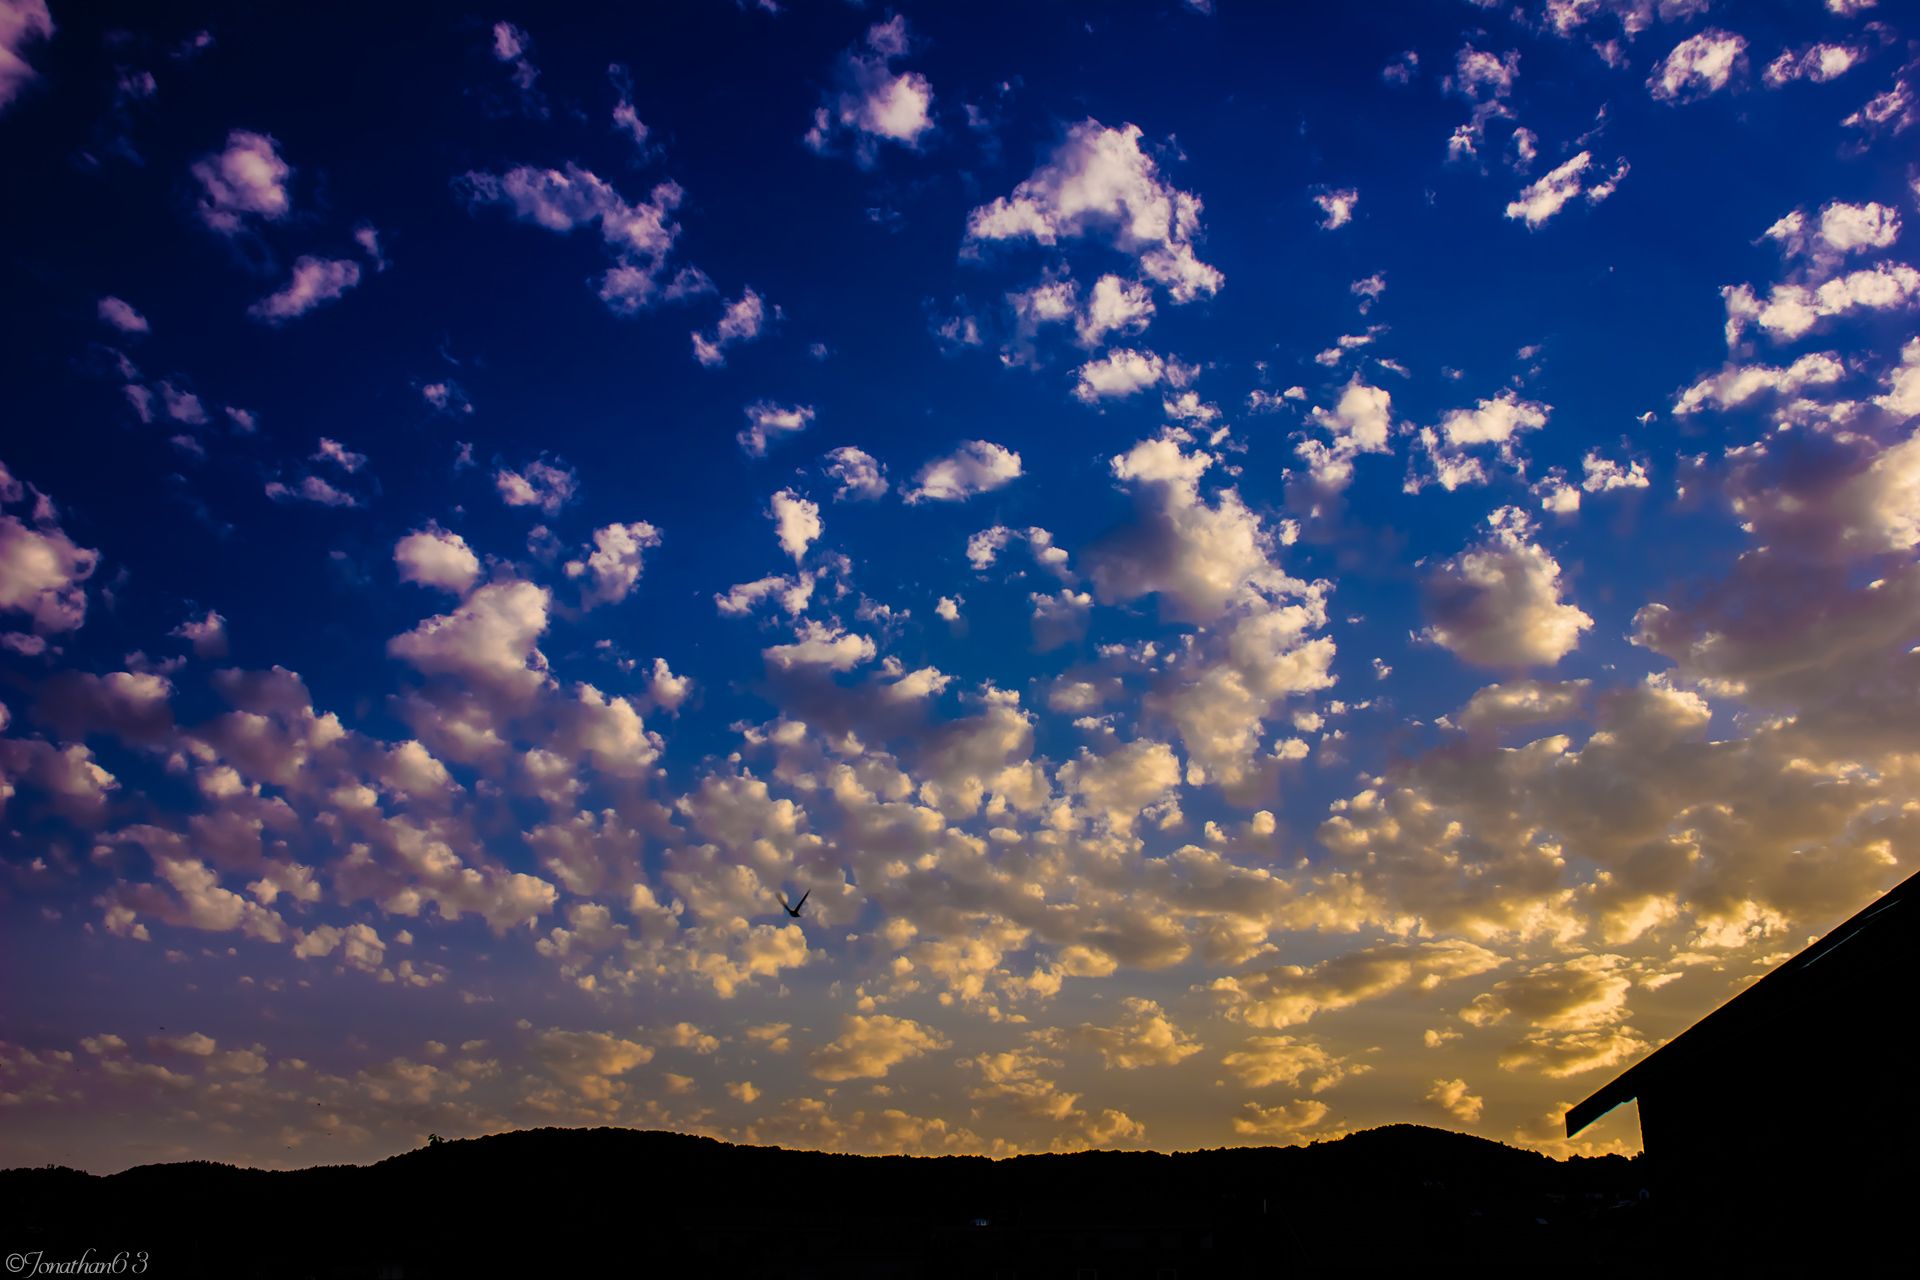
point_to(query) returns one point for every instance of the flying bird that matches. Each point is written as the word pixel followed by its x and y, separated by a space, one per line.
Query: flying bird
pixel 793 908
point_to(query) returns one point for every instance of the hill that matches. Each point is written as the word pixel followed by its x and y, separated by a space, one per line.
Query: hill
pixel 559 1201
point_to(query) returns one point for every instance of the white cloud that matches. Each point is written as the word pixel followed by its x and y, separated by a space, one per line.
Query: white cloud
pixel 1099 182
pixel 1818 63
pixel 767 422
pixel 1143 1037
pixel 539 484
pixel 640 237
pixel 43 574
pixel 1604 475
pixel 435 557
pixel 1497 421
pixel 1284 1120
pixel 1737 384
pixel 1699 66
pixel 740 322
pixel 247 180
pixel 1498 604
pixel 796 522
pixel 1291 994
pixel 977 466
pixel 121 315
pixel 613 567
pixel 1336 206
pixel 313 489
pixel 315 282
pixel 1360 422
pixel 489 641
pixel 869 1047
pixel 1454 1098
pixel 22 23
pixel 1540 200
pixel 333 452
pixel 1114 306
pixel 206 633
pixel 1789 311
pixel 859 475
pixel 1123 372
pixel 1839 230
pixel 818 644
pixel 874 103
pixel 1889 113
pixel 1200 557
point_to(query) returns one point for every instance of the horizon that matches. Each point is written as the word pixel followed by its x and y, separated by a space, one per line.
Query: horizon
pixel 436 1140
pixel 897 580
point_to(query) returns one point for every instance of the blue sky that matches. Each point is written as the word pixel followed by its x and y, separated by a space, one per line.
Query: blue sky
pixel 1271 570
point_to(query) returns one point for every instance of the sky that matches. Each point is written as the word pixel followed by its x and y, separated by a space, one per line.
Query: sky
pixel 1267 570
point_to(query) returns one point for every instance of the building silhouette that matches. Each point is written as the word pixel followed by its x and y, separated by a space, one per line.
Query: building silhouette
pixel 1786 1115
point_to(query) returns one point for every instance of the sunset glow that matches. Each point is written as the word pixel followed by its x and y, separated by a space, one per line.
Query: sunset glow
pixel 1266 569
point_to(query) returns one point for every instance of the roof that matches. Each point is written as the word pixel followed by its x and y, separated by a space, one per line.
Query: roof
pixel 1892 917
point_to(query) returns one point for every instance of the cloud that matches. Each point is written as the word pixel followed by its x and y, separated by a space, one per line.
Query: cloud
pixel 741 322
pixel 511 46
pixel 246 181
pixel 22 23
pixel 1282 1121
pixel 43 575
pixel 1099 183
pixel 1143 1037
pixel 612 568
pixel 1737 384
pixel 1289 995
pixel 1360 422
pixel 121 315
pixel 873 103
pixel 490 641
pixel 1524 703
pixel 1540 200
pixel 546 485
pixel 977 466
pixel 314 283
pixel 1265 1061
pixel 639 237
pixel 435 557
pixel 1336 206
pixel 1886 114
pixel 868 1047
pixel 1699 66
pixel 1818 63
pixel 1454 1098
pixel 767 422
pixel 206 633
pixel 315 490
pixel 1114 306
pixel 1498 604
pixel 591 1063
pixel 858 475
pixel 824 645
pixel 1115 788
pixel 1790 311
pixel 796 522
pixel 1123 372
pixel 1486 81
pixel 1200 557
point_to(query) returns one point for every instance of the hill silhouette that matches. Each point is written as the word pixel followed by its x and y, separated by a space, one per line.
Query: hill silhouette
pixel 557 1200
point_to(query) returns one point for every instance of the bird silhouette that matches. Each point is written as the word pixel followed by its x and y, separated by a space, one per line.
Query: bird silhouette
pixel 793 909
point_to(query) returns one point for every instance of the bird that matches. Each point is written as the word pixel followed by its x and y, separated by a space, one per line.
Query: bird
pixel 793 909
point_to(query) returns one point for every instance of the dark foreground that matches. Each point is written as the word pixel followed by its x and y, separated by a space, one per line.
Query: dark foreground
pixel 591 1202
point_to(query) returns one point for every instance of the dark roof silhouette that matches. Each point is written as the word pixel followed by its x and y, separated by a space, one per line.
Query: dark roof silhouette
pixel 1821 993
